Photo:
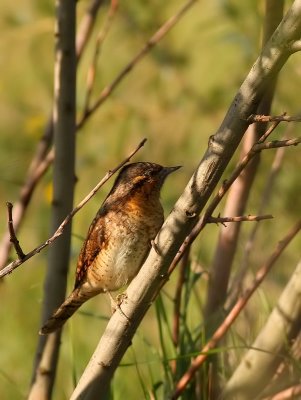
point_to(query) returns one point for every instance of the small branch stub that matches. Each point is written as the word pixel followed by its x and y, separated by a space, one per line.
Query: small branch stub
pixel 13 238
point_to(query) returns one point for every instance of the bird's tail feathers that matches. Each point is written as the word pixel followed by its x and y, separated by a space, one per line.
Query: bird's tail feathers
pixel 60 316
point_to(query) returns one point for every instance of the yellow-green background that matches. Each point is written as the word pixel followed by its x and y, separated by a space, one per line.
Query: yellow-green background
pixel 176 97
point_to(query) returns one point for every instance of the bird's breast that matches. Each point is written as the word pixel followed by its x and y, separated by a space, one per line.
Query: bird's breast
pixel 129 232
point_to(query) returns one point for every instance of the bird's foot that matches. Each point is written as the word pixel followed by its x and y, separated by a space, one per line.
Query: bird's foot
pixel 116 303
pixel 120 298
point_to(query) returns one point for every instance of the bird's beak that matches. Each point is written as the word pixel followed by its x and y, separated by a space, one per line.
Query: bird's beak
pixel 168 170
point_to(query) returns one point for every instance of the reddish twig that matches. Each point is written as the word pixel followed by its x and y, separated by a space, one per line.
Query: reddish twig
pixel 268 118
pixel 235 311
pixel 289 393
pixel 161 32
pixel 12 233
pixel 13 265
pixel 223 220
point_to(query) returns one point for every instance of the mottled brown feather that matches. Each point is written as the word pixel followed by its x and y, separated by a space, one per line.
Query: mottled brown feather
pixel 118 238
pixel 96 240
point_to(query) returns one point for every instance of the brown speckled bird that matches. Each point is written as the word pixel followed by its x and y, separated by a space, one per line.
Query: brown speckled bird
pixel 118 239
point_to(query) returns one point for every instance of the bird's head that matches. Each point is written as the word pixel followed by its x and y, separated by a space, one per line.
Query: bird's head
pixel 143 177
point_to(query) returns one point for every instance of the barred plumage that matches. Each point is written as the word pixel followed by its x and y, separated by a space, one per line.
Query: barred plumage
pixel 118 239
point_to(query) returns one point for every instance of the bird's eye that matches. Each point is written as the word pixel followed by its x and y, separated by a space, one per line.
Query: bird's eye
pixel 151 173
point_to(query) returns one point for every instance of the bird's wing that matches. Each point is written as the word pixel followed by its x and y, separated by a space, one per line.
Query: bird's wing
pixel 96 240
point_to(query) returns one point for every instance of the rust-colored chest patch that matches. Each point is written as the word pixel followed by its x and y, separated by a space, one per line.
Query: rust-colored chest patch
pixel 123 226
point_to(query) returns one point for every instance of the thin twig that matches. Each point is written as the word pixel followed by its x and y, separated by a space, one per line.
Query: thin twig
pixel 269 131
pixel 242 218
pixel 237 171
pixel 13 265
pixel 99 41
pixel 276 143
pixel 86 26
pixel 277 118
pixel 12 233
pixel 160 33
pixel 235 311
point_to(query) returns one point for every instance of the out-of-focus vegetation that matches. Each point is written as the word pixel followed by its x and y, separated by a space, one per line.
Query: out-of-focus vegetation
pixel 176 97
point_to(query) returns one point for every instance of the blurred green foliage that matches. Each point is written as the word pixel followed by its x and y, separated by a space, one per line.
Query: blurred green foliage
pixel 176 97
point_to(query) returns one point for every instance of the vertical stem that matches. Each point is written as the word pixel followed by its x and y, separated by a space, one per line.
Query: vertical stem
pixel 239 193
pixel 63 189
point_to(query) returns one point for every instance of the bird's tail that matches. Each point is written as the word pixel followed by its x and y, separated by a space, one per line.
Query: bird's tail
pixel 60 316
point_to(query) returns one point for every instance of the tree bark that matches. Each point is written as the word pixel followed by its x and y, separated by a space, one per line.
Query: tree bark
pixel 63 189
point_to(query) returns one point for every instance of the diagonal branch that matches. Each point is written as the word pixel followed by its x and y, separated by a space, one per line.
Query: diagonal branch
pixel 86 27
pixel 287 394
pixel 99 41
